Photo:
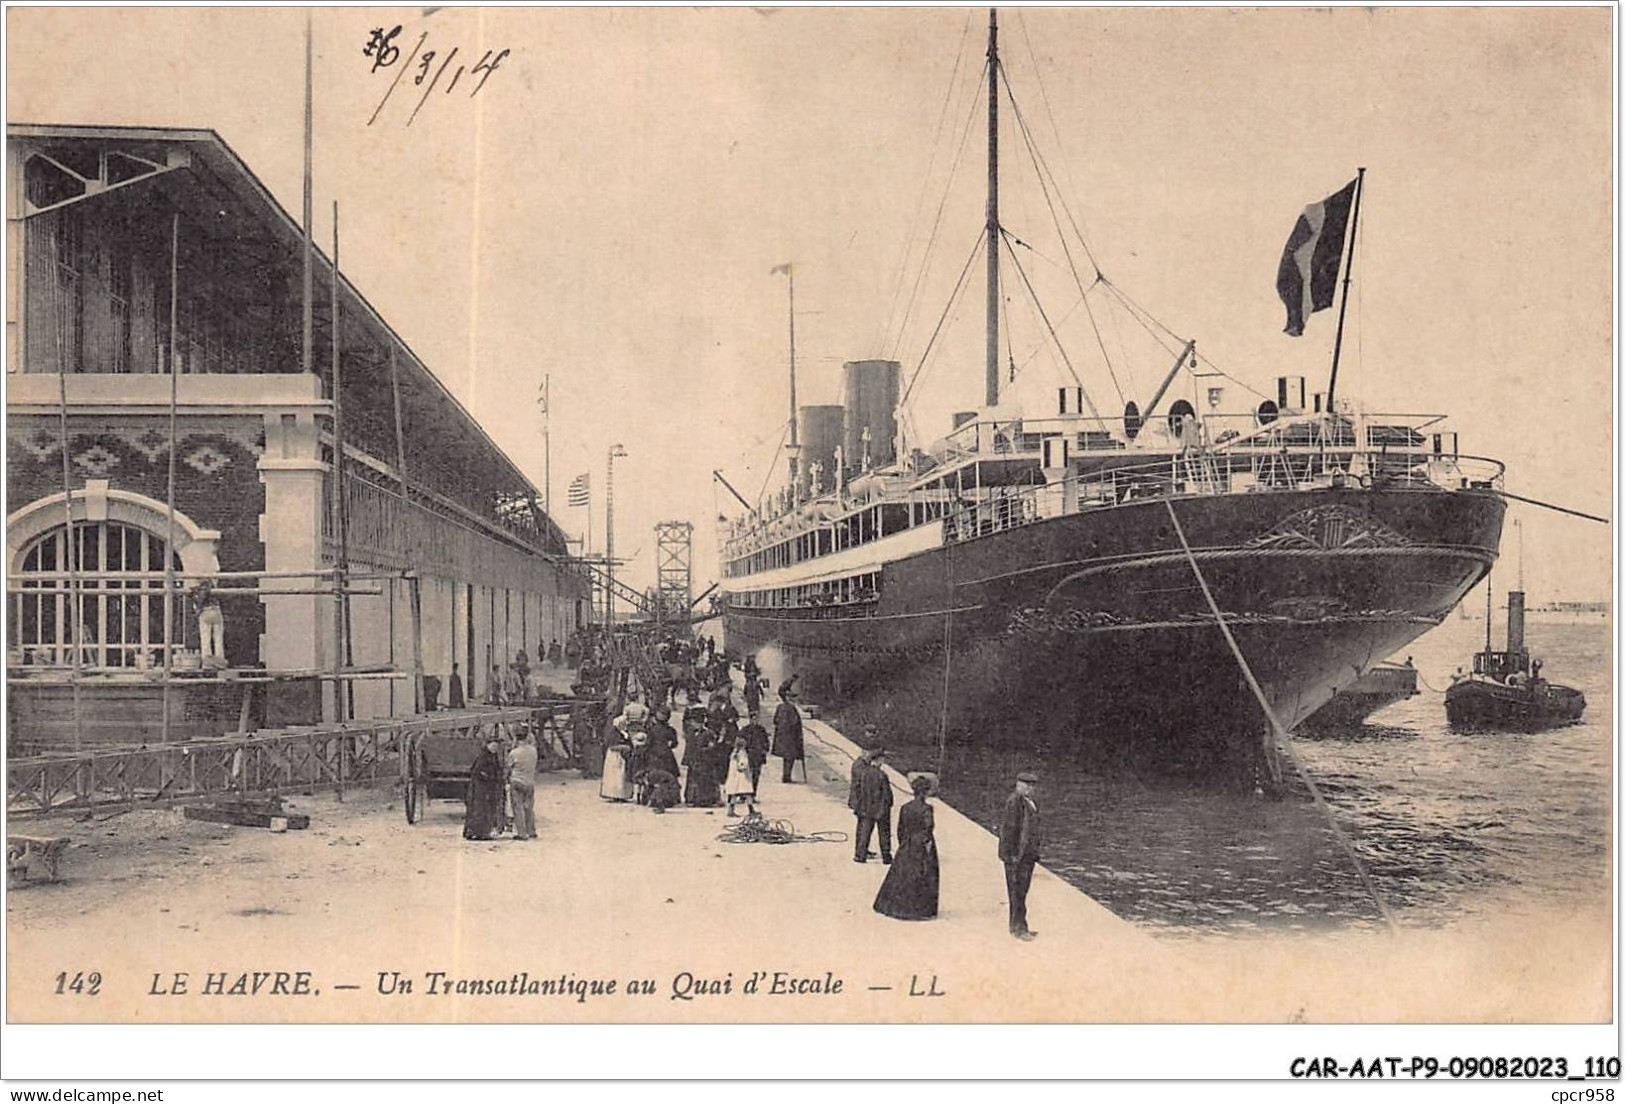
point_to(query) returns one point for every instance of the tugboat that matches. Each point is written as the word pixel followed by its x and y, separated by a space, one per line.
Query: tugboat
pixel 1381 686
pixel 1505 690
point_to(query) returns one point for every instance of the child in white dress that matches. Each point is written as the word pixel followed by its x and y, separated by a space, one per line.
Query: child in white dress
pixel 738 786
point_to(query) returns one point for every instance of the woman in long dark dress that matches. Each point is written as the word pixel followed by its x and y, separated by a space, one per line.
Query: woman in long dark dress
pixel 485 783
pixel 700 788
pixel 910 889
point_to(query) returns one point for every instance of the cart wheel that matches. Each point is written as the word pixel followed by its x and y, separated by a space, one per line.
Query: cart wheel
pixel 413 799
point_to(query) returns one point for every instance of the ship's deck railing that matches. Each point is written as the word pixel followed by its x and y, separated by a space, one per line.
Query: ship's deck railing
pixel 1005 437
pixel 1209 474
pixel 1279 452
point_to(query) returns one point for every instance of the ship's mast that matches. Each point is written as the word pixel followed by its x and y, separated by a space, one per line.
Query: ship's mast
pixel 993 241
pixel 795 445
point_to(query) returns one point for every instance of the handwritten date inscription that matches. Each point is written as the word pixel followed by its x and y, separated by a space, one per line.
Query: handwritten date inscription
pixel 427 68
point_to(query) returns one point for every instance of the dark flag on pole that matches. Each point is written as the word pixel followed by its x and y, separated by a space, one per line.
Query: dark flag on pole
pixel 1307 281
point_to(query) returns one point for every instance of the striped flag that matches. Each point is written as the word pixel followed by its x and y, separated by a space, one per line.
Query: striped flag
pixel 1307 281
pixel 580 490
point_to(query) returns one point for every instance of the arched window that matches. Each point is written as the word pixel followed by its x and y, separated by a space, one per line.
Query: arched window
pixel 121 603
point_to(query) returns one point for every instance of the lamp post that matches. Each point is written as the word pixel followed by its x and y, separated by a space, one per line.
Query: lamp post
pixel 543 401
pixel 609 538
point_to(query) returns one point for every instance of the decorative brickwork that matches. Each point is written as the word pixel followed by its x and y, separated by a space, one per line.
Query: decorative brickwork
pixel 216 484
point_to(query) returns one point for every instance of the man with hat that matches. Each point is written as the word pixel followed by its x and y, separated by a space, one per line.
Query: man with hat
pixel 870 800
pixel 756 745
pixel 787 743
pixel 1019 837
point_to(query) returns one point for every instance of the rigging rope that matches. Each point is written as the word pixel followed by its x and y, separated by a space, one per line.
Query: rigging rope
pixel 1281 735
pixel 1083 295
pixel 1038 78
pixel 931 164
pixel 760 441
pixel 931 344
pixel 1150 320
pixel 771 467
pixel 1144 317
pixel 1059 347
pixel 947 189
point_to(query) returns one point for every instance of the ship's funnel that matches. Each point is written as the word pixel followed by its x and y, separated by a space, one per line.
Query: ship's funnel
pixel 872 391
pixel 1514 621
pixel 821 431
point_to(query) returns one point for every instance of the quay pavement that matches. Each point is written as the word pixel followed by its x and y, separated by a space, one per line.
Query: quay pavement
pixel 686 927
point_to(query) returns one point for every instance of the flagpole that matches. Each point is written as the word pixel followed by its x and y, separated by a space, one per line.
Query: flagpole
pixel 547 446
pixel 307 361
pixel 1348 274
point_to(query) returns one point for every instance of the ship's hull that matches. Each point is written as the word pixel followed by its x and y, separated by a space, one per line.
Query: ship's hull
pixel 1475 705
pixel 1091 628
pixel 1378 688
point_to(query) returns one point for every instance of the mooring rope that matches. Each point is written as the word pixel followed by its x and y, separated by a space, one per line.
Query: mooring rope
pixel 1429 685
pixel 947 664
pixel 1281 736
pixel 1554 506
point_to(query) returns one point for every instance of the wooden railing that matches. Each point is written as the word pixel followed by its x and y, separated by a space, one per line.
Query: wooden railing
pixel 361 754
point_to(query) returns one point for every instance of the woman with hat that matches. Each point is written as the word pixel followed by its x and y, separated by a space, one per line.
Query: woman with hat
pixel 484 813
pixel 616 783
pixel 700 782
pixel 787 742
pixel 910 889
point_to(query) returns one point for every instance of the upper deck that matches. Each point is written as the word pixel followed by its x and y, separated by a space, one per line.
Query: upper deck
pixel 990 475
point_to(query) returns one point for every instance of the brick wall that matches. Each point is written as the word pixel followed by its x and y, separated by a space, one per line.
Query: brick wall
pixel 216 484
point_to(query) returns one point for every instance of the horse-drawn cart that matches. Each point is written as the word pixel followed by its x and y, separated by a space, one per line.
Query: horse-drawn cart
pixel 438 751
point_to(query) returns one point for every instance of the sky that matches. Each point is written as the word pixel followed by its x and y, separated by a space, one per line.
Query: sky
pixel 607 209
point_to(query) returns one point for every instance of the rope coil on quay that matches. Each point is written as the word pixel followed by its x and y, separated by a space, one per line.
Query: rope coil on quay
pixel 756 828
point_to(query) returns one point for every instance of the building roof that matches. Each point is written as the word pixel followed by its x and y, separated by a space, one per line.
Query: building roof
pixel 232 192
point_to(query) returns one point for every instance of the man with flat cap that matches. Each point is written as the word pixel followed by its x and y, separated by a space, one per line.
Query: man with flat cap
pixel 1020 833
pixel 869 798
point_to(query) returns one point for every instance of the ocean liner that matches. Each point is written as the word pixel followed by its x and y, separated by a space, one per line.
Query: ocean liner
pixel 1069 577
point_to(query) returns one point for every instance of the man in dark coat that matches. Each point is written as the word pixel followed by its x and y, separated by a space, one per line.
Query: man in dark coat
pixel 661 733
pixel 454 690
pixel 723 731
pixel 870 801
pixel 756 745
pixel 721 706
pixel 787 743
pixel 1020 834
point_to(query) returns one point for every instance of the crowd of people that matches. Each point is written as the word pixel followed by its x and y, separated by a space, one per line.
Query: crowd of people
pixel 634 755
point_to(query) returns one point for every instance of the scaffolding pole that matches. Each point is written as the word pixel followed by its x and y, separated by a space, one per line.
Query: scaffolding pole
pixel 70 546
